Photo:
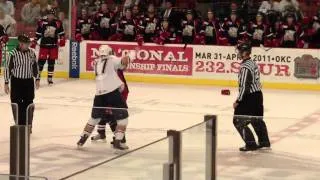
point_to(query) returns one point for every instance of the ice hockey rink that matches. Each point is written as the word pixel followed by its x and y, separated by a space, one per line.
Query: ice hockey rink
pixel 292 117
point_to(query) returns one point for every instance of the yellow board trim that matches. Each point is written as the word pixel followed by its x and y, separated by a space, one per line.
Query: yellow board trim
pixel 209 82
pixel 191 81
pixel 44 74
pixel 58 74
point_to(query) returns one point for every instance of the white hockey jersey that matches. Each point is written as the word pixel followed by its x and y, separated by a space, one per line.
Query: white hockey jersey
pixel 107 79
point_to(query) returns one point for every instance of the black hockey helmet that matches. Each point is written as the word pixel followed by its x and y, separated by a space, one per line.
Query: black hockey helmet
pixel 23 38
pixel 290 15
pixel 260 14
pixel 189 11
pixel 210 11
pixel 234 12
pixel 243 47
pixel 52 11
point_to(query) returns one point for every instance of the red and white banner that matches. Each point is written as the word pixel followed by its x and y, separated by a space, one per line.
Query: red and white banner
pixel 277 65
pixel 149 59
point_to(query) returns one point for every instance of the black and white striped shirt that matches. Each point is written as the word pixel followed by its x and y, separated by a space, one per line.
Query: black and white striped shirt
pixel 21 64
pixel 249 79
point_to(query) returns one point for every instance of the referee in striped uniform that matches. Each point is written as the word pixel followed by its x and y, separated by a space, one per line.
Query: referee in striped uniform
pixel 21 69
pixel 248 108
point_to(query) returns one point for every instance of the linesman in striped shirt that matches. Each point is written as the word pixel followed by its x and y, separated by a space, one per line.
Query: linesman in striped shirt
pixel 248 108
pixel 20 71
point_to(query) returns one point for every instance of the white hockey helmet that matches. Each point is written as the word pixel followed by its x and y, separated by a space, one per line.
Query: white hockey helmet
pixel 105 51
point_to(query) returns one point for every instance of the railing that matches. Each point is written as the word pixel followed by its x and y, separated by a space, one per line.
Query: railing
pixel 13 177
pixel 169 158
pixel 191 153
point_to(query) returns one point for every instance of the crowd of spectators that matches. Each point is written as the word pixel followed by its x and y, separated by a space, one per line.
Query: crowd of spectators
pixel 276 23
pixel 23 15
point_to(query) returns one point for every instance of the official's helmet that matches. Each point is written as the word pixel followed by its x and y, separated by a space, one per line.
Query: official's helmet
pixel 189 11
pixel 259 14
pixel 244 47
pixel 23 38
pixel 290 15
pixel 105 51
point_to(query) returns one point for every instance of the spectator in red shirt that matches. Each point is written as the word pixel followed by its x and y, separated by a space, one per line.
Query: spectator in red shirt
pixel 289 32
pixel 149 25
pixel 166 34
pixel 104 23
pixel 314 32
pixel 136 14
pixel 210 28
pixel 233 29
pixel 190 28
pixel 84 26
pixel 128 27
pixel 258 31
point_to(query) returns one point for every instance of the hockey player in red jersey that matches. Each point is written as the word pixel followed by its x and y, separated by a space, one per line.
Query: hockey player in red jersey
pixel 190 28
pixel 3 40
pixel 124 90
pixel 289 32
pixel 258 31
pixel 50 32
pixel 104 23
pixel 84 26
pixel 210 29
pixel 233 29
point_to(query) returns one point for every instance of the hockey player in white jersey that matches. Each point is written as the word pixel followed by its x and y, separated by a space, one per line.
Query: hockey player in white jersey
pixel 108 100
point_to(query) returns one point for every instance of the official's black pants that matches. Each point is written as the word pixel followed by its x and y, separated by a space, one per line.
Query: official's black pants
pixel 250 111
pixel 22 94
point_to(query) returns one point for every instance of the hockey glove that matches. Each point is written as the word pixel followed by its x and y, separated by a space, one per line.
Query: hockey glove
pixel 33 44
pixel 4 39
pixel 78 37
pixel 62 42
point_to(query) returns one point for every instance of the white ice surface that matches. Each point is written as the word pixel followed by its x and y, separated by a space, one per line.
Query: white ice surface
pixel 293 119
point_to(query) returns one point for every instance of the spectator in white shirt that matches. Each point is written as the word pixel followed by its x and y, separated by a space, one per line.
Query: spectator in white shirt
pixel 284 4
pixel 65 22
pixel 270 5
pixel 130 3
pixel 44 7
pixel 30 12
pixel 8 23
pixel 7 6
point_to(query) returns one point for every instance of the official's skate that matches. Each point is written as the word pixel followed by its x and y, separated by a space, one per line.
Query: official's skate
pixel 99 138
pixel 82 140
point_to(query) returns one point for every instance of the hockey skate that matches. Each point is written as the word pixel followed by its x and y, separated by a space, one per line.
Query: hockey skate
pixel 82 140
pixel 249 148
pixel 30 129
pixel 123 144
pixel 50 81
pixel 264 146
pixel 119 146
pixel 99 137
